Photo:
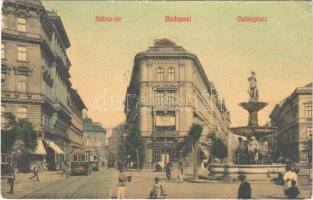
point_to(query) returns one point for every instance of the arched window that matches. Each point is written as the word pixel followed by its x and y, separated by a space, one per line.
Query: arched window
pixel 171 74
pixel 160 74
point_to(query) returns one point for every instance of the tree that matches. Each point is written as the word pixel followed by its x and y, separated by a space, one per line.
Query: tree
pixel 219 148
pixel 194 135
pixel 17 131
pixel 134 143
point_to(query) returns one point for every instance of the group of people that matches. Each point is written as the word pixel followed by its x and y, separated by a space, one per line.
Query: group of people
pixel 180 172
pixel 252 152
pixel 290 179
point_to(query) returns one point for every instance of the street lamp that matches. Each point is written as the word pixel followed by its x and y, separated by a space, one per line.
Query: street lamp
pixel 124 146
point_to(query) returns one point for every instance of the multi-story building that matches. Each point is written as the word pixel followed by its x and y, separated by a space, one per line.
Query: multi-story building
pixel 116 145
pixel 35 79
pixel 168 92
pixel 293 117
pixel 94 138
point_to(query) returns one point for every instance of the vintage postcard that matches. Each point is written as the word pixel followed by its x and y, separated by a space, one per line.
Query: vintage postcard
pixel 156 99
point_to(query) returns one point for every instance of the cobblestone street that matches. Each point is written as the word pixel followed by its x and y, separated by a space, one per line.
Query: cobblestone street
pixel 52 185
pixel 103 184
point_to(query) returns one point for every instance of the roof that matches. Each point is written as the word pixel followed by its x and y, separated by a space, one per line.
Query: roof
pixel 75 95
pixel 165 47
pixel 60 28
pixel 34 3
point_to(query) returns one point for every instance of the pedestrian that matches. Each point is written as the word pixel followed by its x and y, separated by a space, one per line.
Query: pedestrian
pixel 180 172
pixel 293 191
pixel 289 176
pixel 35 173
pixel 157 190
pixel 63 171
pixel 168 170
pixel 122 179
pixel 244 191
pixel 11 180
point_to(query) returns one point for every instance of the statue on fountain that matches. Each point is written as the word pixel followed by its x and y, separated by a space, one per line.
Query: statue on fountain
pixel 253 150
pixel 253 90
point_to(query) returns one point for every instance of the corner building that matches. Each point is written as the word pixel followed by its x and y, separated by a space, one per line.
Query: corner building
pixel 35 80
pixel 168 92
pixel 293 117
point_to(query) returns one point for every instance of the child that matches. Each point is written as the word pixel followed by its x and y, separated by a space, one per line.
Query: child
pixel 157 189
pixel 293 191
pixel 122 179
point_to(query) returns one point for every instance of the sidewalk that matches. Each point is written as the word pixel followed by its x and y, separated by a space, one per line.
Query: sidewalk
pixel 24 185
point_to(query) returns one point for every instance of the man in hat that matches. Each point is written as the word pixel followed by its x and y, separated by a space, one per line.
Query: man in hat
pixel 244 191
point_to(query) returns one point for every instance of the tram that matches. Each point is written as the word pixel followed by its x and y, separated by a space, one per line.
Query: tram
pixel 80 162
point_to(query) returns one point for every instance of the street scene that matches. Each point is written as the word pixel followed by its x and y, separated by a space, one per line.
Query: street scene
pixel 98 102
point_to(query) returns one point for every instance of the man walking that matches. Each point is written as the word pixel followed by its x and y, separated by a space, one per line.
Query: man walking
pixel 244 191
pixel 11 180
pixel 35 171
pixel 180 172
pixel 168 170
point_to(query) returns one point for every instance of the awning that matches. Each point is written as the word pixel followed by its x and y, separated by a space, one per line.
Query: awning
pixel 40 150
pixel 55 147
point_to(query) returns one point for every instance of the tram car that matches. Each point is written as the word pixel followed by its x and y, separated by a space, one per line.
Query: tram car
pixel 80 162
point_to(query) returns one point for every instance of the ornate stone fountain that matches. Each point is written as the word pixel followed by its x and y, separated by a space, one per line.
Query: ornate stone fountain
pixel 254 155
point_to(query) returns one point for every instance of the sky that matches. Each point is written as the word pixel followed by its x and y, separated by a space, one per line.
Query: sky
pixel 102 53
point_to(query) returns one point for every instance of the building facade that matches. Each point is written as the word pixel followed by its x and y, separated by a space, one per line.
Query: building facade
pixel 293 117
pixel 116 145
pixel 35 79
pixel 168 92
pixel 94 138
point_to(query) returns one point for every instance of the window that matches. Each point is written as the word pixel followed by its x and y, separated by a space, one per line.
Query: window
pixel 309 132
pixel 21 112
pixel 2 51
pixel 160 98
pixel 308 111
pixel 171 74
pixel 21 24
pixel 171 98
pixel 160 74
pixel 22 83
pixel 21 53
pixel 4 21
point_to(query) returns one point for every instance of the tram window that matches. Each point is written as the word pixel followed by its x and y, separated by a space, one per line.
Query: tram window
pixel 83 157
pixel 75 158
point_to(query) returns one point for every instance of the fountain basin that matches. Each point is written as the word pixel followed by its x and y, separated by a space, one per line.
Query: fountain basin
pixel 257 131
pixel 253 106
pixel 247 169
pixel 253 172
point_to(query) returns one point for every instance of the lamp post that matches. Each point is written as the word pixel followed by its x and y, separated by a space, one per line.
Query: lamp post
pixel 124 147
